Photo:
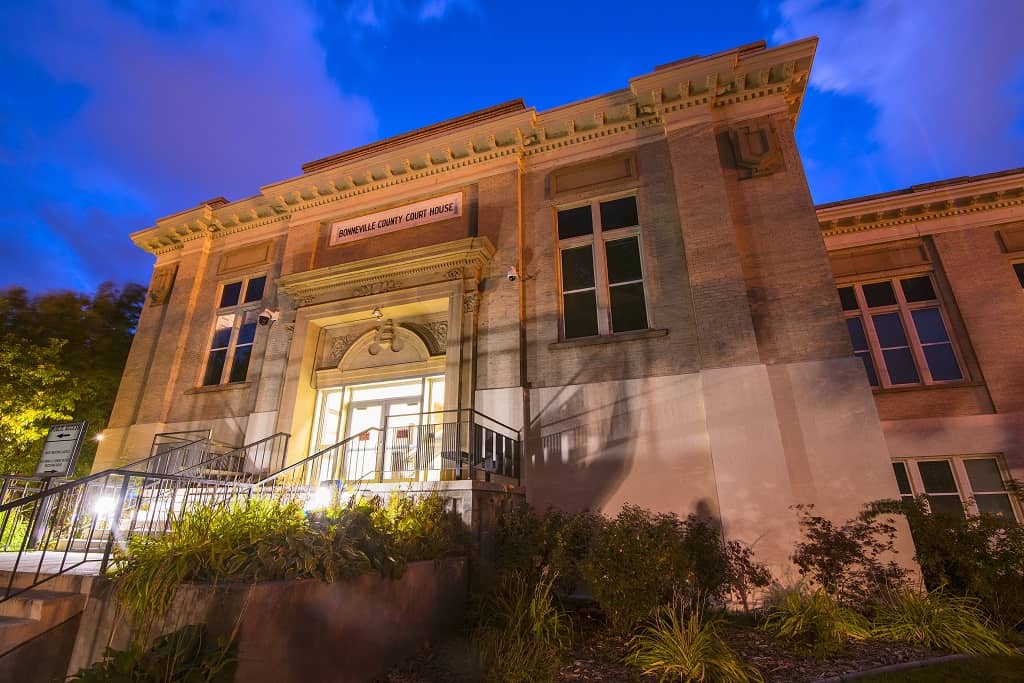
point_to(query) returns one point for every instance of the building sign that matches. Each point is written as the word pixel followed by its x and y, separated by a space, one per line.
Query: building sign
pixel 398 218
pixel 60 450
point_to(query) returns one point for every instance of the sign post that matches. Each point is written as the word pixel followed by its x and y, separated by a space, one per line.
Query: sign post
pixel 60 453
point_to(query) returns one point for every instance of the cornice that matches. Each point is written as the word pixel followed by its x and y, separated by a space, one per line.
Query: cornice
pixel 509 132
pixel 456 260
pixel 922 204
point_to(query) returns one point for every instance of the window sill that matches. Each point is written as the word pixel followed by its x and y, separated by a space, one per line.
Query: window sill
pixel 608 339
pixel 923 387
pixel 218 387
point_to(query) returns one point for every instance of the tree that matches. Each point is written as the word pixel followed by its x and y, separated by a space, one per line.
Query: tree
pixel 78 344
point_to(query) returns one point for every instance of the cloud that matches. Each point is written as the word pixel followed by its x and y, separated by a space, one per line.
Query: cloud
pixel 945 77
pixel 162 105
pixel 380 15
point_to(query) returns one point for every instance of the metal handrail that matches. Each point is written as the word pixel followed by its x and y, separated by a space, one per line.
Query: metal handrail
pixel 241 450
pixel 318 455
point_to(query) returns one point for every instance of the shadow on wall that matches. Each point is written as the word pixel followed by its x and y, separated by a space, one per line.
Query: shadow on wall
pixel 577 460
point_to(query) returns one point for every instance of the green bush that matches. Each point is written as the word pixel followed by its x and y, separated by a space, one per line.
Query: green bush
pixel 979 557
pixel 187 655
pixel 938 621
pixel 813 624
pixel 260 540
pixel 639 560
pixel 849 561
pixel 522 634
pixel 683 647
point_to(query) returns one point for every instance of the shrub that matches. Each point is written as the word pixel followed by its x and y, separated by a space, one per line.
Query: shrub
pixel 980 557
pixel 678 646
pixel 423 529
pixel 522 634
pixel 745 575
pixel 639 560
pixel 521 543
pixel 847 560
pixel 939 621
pixel 188 654
pixel 813 624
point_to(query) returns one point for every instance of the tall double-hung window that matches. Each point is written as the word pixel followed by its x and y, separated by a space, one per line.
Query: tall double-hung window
pixel 601 272
pixel 955 485
pixel 234 331
pixel 900 331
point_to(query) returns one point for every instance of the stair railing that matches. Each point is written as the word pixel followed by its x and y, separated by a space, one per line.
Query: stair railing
pixel 245 463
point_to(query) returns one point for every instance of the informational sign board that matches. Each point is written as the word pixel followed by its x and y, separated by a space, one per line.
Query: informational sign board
pixel 60 450
pixel 398 218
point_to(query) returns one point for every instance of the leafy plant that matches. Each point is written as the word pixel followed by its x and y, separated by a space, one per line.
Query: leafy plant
pixel 188 655
pixel 522 633
pixel 980 557
pixel 813 624
pixel 848 561
pixel 422 529
pixel 745 574
pixel 939 621
pixel 680 646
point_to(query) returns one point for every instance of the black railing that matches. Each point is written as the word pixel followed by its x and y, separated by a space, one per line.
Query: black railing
pixel 247 463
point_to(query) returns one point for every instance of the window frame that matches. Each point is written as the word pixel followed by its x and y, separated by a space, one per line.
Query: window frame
pixel 905 311
pixel 1014 263
pixel 599 237
pixel 961 479
pixel 238 311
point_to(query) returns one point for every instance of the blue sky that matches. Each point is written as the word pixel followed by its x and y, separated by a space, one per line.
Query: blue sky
pixel 116 112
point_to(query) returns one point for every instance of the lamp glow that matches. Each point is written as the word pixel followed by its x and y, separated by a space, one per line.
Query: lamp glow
pixel 104 506
pixel 319 500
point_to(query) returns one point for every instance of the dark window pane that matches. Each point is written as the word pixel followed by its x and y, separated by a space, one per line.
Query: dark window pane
pixel 937 476
pixel 247 332
pixel 628 311
pixel 254 292
pixel 918 289
pixel 930 328
pixel 215 367
pixel 900 470
pixel 240 365
pixel 946 506
pixel 995 504
pixel 900 364
pixel 942 363
pixel 623 260
pixel 889 329
pixel 869 367
pixel 619 213
pixel 577 268
pixel 879 294
pixel 230 293
pixel 222 334
pixel 984 475
pixel 856 329
pixel 848 298
pixel 580 315
pixel 575 222
pixel 1019 269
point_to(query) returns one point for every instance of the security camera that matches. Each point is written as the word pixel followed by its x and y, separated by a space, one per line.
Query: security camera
pixel 512 274
pixel 268 316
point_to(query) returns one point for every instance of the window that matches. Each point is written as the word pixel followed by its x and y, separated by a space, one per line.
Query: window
pixel 601 269
pixel 900 332
pixel 1018 268
pixel 955 485
pixel 234 331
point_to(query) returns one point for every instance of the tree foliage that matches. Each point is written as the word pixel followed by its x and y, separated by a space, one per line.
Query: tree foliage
pixel 61 358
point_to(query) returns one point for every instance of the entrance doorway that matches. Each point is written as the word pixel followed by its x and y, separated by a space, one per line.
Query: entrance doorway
pixel 382 424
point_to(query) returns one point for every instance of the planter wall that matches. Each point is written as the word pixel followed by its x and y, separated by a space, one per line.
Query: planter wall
pixel 302 630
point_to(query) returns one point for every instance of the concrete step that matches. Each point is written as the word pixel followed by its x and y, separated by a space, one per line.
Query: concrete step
pixel 29 614
pixel 79 582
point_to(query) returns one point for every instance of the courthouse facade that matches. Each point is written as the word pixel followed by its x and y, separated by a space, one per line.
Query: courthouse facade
pixel 636 285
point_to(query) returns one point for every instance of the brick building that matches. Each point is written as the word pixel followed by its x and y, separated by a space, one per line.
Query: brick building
pixel 624 299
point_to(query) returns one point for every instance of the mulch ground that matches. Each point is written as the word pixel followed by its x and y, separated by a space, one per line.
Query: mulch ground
pixel 598 653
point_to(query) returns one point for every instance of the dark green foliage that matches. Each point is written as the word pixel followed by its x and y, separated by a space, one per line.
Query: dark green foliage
pixel 423 529
pixel 939 621
pixel 813 624
pixel 639 560
pixel 979 557
pixel 188 655
pixel 522 634
pixel 77 345
pixel 745 574
pixel 848 561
